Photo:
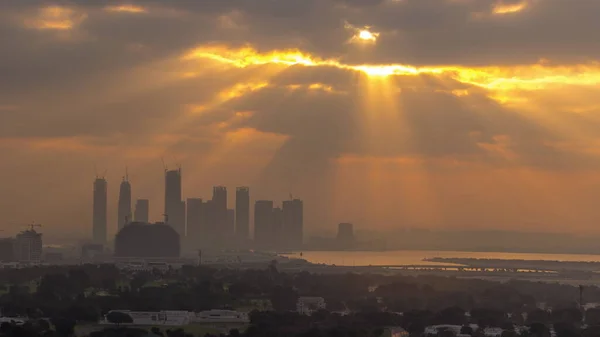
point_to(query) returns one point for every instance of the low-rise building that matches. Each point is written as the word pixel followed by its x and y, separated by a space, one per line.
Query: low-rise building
pixel 169 318
pixel 308 305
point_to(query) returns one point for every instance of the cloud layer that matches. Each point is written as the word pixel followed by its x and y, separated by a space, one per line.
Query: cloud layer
pixel 448 113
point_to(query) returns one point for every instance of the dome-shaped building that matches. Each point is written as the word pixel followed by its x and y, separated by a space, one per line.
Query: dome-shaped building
pixel 139 239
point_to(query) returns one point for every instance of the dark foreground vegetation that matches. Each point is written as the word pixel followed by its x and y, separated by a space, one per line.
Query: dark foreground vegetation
pixel 57 299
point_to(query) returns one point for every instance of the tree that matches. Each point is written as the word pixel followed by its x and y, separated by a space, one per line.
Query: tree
pixel 284 298
pixel 539 330
pixel 466 330
pixel 565 329
pixel 64 327
pixel 118 318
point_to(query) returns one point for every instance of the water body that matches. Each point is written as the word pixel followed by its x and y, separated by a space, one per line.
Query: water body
pixel 415 257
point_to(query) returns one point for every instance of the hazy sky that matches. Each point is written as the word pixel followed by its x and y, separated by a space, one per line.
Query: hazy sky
pixel 385 113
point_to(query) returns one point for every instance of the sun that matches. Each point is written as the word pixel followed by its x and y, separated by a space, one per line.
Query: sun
pixel 366 35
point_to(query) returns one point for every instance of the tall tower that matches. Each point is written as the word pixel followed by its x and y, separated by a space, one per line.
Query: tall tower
pixel 293 223
pixel 142 210
pixel 99 232
pixel 194 222
pixel 242 213
pixel 124 207
pixel 174 206
pixel 219 204
pixel 263 223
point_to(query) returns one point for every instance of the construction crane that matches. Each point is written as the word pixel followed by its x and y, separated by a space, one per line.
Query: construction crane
pixel 33 225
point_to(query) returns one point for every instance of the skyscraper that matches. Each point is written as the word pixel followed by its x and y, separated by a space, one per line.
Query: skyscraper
pixel 99 211
pixel 293 223
pixel 242 213
pixel 208 228
pixel 124 207
pixel 277 228
pixel 142 210
pixel 174 206
pixel 230 223
pixel 263 223
pixel 194 222
pixel 219 204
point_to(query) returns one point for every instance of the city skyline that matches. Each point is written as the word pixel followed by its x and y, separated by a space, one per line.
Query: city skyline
pixel 438 114
pixel 199 223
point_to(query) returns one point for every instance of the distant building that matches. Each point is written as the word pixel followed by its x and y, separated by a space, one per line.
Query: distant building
pixel 174 205
pixel 308 305
pixel 99 227
pixel 142 210
pixel 219 208
pixel 345 235
pixel 124 206
pixel 142 240
pixel 242 213
pixel 263 223
pixel 7 250
pixel 293 223
pixel 230 223
pixel 168 318
pixel 28 246
pixel 194 222
pixel 277 228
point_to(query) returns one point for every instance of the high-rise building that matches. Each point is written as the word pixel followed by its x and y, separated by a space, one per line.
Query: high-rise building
pixel 230 223
pixel 208 228
pixel 293 223
pixel 345 235
pixel 219 204
pixel 142 210
pixel 263 223
pixel 277 228
pixel 174 205
pixel 194 221
pixel 28 246
pixel 242 213
pixel 99 230
pixel 124 207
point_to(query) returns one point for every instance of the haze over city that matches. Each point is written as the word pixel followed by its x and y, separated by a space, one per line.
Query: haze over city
pixel 444 114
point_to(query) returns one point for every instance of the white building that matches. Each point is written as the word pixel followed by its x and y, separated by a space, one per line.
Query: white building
pixel 169 318
pixel 308 305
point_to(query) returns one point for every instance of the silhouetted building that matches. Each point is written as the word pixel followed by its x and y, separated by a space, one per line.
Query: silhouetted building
pixel 219 204
pixel 142 210
pixel 194 222
pixel 263 223
pixel 209 227
pixel 230 223
pixel 124 207
pixel 99 230
pixel 277 228
pixel 7 250
pixel 174 206
pixel 345 235
pixel 293 223
pixel 242 213
pixel 147 241
pixel 28 246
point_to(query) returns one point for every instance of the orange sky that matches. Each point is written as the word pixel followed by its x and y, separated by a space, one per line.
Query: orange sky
pixel 478 114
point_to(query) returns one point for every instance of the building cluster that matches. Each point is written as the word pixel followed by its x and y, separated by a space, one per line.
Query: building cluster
pixel 199 223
